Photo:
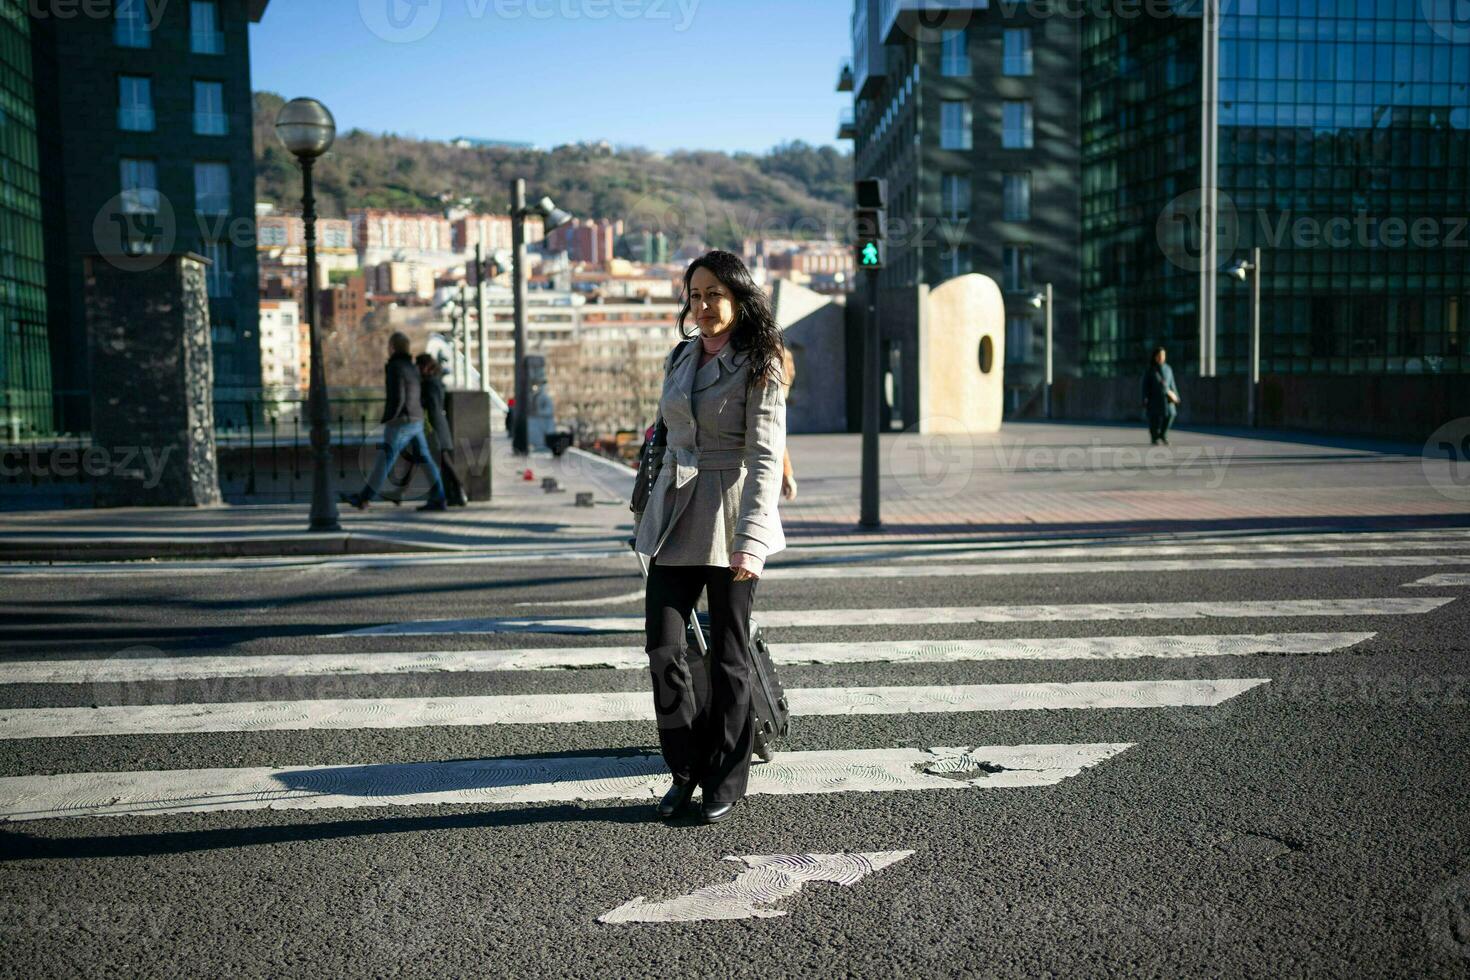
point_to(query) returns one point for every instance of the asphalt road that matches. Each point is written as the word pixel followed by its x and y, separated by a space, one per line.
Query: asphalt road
pixel 1313 824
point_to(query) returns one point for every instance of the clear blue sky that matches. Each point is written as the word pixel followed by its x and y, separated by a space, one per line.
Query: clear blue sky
pixel 695 74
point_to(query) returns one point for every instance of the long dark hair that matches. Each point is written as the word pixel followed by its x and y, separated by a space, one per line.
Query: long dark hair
pixel 756 330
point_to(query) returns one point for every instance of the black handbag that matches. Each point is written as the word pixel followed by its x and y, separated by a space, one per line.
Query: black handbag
pixel 652 448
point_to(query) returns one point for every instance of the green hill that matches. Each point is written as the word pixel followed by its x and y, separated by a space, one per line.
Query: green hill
pixel 795 190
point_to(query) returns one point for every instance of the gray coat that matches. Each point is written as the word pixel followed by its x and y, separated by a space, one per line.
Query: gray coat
pixel 720 480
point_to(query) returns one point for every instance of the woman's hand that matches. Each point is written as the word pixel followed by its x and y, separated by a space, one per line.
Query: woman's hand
pixel 743 574
pixel 788 486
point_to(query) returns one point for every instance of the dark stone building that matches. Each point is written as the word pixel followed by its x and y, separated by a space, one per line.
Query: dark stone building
pixel 145 121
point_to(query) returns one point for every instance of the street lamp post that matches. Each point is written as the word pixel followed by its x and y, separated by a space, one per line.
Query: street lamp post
pixel 1239 271
pixel 307 130
pixel 553 218
pixel 1042 301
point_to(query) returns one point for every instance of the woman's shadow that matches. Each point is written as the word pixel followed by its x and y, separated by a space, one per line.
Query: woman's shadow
pixel 523 784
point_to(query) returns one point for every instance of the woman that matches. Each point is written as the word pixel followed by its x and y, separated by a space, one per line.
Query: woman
pixel 710 523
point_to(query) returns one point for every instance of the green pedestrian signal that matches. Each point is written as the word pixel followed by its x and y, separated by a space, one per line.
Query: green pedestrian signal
pixel 870 254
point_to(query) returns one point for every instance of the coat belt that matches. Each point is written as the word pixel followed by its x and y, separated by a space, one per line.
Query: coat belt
pixel 688 462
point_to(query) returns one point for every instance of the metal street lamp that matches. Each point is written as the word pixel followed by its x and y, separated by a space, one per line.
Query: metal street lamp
pixel 1042 301
pixel 1239 270
pixel 552 217
pixel 307 130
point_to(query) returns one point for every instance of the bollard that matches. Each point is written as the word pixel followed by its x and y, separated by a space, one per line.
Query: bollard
pixel 550 484
pixel 584 499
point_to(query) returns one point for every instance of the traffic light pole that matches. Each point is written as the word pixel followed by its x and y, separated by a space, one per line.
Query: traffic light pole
pixel 872 405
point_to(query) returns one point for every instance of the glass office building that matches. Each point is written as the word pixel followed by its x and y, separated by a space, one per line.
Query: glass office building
pixel 1343 154
pixel 25 359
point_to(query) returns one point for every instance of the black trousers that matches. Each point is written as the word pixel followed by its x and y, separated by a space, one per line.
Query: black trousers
pixel 704 724
pixel 403 468
pixel 1158 425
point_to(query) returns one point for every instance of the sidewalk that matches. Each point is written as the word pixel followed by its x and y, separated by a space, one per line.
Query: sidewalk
pixel 520 514
pixel 1033 479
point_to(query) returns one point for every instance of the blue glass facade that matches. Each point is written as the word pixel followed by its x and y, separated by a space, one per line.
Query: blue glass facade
pixel 1344 150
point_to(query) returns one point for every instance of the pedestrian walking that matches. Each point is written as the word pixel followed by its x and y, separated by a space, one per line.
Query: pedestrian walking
pixel 710 523
pixel 1160 396
pixel 403 426
pixel 441 436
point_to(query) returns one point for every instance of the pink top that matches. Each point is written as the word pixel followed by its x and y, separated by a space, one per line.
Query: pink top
pixel 710 349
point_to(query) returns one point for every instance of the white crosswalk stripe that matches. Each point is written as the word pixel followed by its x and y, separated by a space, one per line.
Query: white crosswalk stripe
pixel 640 776
pixel 1112 567
pixel 926 615
pixel 529 781
pixel 1174 646
pixel 550 709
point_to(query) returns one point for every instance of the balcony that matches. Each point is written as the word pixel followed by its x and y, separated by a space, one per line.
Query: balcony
pixel 900 19
pixel 874 75
pixel 846 126
pixel 844 77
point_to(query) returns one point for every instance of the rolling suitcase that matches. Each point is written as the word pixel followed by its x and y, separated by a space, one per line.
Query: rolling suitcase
pixel 770 714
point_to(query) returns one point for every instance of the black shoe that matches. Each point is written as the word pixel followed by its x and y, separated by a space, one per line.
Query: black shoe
pixel 356 500
pixel 435 505
pixel 675 800
pixel 713 812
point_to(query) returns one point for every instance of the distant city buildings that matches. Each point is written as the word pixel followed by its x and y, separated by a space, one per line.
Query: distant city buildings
pixel 285 349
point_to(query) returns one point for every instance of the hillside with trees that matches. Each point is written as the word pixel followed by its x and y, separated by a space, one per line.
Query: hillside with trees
pixel 794 190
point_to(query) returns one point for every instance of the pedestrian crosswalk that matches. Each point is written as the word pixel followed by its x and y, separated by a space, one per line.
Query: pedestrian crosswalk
pixel 865 678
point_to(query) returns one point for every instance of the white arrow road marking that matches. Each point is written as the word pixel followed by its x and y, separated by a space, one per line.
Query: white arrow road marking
pixel 529 781
pixel 1455 579
pixel 116 670
pixel 924 615
pixel 350 714
pixel 873 570
pixel 767 879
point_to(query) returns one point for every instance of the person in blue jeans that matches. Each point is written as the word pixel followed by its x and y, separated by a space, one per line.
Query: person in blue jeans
pixel 403 426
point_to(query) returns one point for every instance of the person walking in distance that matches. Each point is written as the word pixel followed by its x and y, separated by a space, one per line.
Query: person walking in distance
pixel 431 378
pixel 403 426
pixel 1160 396
pixel 710 523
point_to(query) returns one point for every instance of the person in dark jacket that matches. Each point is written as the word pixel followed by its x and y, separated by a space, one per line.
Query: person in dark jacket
pixel 403 426
pixel 1160 396
pixel 441 439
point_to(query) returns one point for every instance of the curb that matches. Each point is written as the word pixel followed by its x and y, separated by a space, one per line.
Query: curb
pixel 143 549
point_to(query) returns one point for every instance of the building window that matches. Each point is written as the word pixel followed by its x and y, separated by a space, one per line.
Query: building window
pixel 212 188
pixel 954 62
pixel 1020 339
pixel 217 279
pixel 1016 263
pixel 1016 195
pixel 955 261
pixel 135 103
pixel 288 319
pixel 209 109
pixel 130 28
pixel 139 186
pixel 956 125
pixel 1017 57
pixel 205 37
pixel 1016 131
pixel 954 193
pixel 273 234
